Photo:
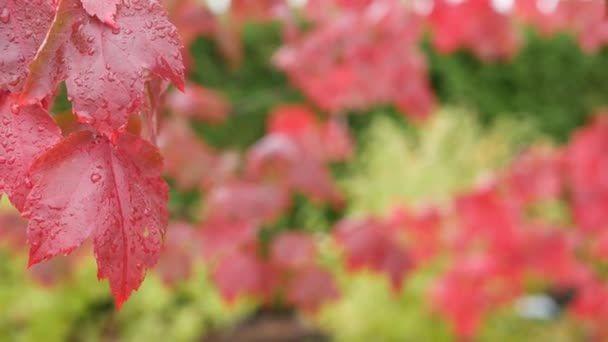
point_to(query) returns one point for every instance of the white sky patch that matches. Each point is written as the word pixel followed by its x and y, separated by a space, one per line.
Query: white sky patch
pixel 218 6
pixel 378 10
pixel 297 3
pixel 503 6
pixel 540 307
pixel 423 7
pixel 547 6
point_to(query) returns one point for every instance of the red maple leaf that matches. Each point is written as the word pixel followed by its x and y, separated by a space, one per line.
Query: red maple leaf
pixel 86 187
pixel 23 137
pixel 105 68
pixel 23 28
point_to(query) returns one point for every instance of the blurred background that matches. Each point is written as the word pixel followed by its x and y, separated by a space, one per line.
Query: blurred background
pixel 361 170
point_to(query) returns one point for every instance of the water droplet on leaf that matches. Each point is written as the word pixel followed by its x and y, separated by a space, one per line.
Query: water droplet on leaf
pixel 5 15
pixel 96 177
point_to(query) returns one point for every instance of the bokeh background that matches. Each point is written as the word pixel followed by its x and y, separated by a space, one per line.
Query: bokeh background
pixel 465 112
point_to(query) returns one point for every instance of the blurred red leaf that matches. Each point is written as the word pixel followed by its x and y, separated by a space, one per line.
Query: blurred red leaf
pixel 587 171
pixel 293 251
pixel 372 244
pixel 310 288
pixel 188 160
pixel 474 25
pixel 178 253
pixel 199 103
pixel 244 274
pixel 536 175
pixel 368 55
pixel 221 235
pixel 246 201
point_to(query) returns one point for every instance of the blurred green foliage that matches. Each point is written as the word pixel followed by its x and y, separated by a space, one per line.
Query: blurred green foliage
pixel 253 88
pixel 450 153
pixel 81 309
pixel 550 83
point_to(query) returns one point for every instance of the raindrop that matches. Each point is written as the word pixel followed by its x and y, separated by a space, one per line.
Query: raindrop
pixel 15 108
pixel 95 177
pixel 15 81
pixel 5 15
